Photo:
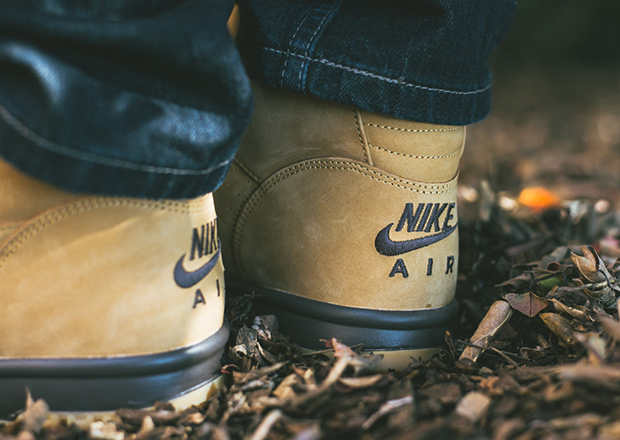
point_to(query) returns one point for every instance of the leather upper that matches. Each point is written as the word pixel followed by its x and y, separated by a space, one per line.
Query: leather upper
pixel 343 206
pixel 95 276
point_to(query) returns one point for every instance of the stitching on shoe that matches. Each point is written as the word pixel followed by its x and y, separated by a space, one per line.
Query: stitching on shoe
pixel 334 165
pixel 414 156
pixel 375 76
pixel 238 213
pixel 9 228
pixel 246 170
pixel 411 130
pixel 89 204
pixel 359 133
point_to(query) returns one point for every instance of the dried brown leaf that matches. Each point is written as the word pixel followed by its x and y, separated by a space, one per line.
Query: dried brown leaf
pixel 312 432
pixel 499 313
pixel 361 363
pixel 361 382
pixel 522 280
pixel 340 350
pixel 241 378
pixel 594 344
pixel 265 326
pixel 35 414
pixel 285 389
pixel 159 417
pixel 560 326
pixel 591 266
pixel 577 421
pixel 147 426
pixel 508 429
pixel 105 431
pixel 386 408
pixel 527 303
pixel 610 431
pixel 446 393
pixel 605 295
pixel 611 326
pixel 572 311
pixel 588 264
pixel 601 375
pixel 271 359
pixel 262 431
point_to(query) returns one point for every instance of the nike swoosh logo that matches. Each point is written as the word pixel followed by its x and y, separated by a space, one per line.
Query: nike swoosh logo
pixel 187 279
pixel 386 246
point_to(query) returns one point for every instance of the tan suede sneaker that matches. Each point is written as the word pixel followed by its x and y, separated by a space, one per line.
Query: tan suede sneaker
pixel 107 302
pixel 346 223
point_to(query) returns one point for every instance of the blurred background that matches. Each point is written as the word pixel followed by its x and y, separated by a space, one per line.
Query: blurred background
pixel 555 120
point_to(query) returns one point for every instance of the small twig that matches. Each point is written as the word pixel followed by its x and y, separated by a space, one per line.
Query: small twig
pixel 496 350
pixel 335 373
pixel 386 408
pixel 504 355
pixel 265 426
pixel 330 350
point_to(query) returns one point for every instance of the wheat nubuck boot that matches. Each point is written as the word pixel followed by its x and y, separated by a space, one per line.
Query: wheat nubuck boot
pixel 107 302
pixel 345 222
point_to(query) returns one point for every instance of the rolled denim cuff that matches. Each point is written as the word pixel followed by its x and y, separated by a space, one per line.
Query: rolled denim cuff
pixel 139 99
pixel 422 61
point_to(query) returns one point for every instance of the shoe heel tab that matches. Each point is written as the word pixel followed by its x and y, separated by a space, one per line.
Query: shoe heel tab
pixel 413 150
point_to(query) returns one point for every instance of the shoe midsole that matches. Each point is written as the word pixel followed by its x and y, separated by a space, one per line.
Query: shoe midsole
pixel 104 384
pixel 307 321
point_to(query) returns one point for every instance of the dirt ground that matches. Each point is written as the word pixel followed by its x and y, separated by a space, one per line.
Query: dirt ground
pixel 556 126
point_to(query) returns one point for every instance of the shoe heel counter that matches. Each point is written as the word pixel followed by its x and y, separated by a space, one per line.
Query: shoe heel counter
pixel 230 198
pixel 326 248
pixel 98 277
pixel 413 150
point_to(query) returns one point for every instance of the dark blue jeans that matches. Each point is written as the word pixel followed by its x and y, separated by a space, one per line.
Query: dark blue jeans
pixel 149 98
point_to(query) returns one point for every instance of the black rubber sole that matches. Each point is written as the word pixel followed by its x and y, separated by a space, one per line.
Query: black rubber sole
pixel 106 384
pixel 307 321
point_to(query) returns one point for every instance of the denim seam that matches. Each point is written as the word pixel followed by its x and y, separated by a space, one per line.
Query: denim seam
pixel 67 151
pixel 303 68
pixel 376 76
pixel 290 45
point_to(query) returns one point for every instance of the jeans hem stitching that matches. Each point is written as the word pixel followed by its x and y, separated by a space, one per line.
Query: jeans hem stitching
pixel 304 67
pixel 376 76
pixel 290 45
pixel 40 141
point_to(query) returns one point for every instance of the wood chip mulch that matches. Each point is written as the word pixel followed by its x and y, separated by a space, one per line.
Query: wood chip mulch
pixel 536 354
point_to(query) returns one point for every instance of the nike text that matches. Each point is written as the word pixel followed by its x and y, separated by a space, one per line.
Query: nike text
pixel 400 268
pixel 204 240
pixel 204 243
pixel 426 217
